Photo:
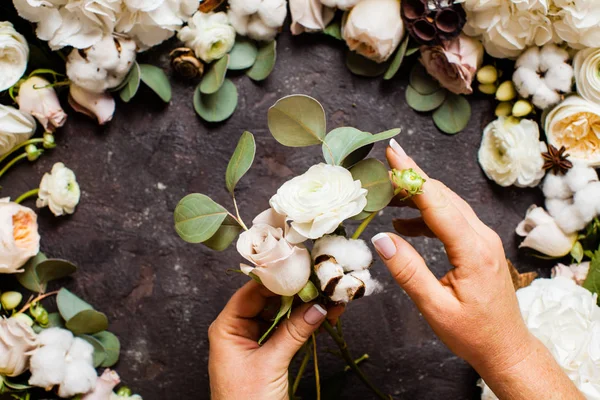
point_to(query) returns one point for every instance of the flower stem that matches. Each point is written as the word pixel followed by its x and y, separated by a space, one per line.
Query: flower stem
pixel 303 365
pixel 27 143
pixel 362 358
pixel 27 195
pixel 12 162
pixel 36 300
pixel 317 376
pixel 239 218
pixel 341 343
pixel 361 228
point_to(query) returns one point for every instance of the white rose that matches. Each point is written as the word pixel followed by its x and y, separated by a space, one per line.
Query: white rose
pixel 374 28
pixel 210 35
pixel 16 127
pixel 309 16
pixel 103 66
pixel 17 340
pixel 341 4
pixel 542 234
pixel 59 191
pixel 587 65
pixel 318 201
pixel 283 268
pixel 511 153
pixel 19 237
pixel 38 98
pixel 575 124
pixel 14 54
pixel 100 106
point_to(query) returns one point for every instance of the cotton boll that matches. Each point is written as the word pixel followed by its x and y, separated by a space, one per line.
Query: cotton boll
pixel 329 274
pixel 556 187
pixel 371 285
pixel 56 337
pixel 544 97
pixel 348 288
pixel 351 254
pixel 81 350
pixel 526 81
pixel 273 12
pixel 530 59
pixel 552 55
pixel 244 7
pixel 47 366
pixel 579 176
pixel 257 30
pixel 80 377
pixel 239 22
pixel 560 78
pixel 570 220
pixel 587 201
pixel 557 206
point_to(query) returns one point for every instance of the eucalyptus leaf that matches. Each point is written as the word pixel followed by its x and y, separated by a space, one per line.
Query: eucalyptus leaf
pixel 215 76
pixel 265 62
pixel 363 215
pixel 241 161
pixel 592 281
pixel 156 79
pixel 341 142
pixel 112 346
pixel 454 114
pixel 52 269
pixel 422 82
pixel 397 61
pixel 87 321
pixel 132 84
pixel 334 30
pixel 374 177
pixel 28 278
pixel 285 308
pixel 243 55
pixel 357 156
pixel 424 103
pixel 198 218
pixel 412 50
pixel 219 106
pixel 297 121
pixel 55 320
pixel 225 235
pixel 362 66
pixel 70 305
pixel 99 350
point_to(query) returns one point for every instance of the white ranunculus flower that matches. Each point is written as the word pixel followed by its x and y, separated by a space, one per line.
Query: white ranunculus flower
pixel 59 191
pixel 575 124
pixel 542 233
pixel 210 35
pixel 17 340
pixel 14 54
pixel 374 28
pixel 19 237
pixel 100 106
pixel 318 201
pixel 38 98
pixel 16 127
pixel 260 20
pixel 587 77
pixel 511 153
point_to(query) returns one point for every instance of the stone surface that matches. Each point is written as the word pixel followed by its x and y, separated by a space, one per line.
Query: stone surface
pixel 161 294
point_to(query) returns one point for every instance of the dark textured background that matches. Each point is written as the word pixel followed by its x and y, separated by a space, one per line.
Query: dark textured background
pixel 161 294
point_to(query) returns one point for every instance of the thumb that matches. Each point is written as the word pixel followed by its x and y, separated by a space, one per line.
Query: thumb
pixel 293 332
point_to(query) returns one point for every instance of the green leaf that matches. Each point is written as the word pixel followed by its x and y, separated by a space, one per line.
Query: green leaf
pixel 198 218
pixel 219 106
pixel 215 77
pixel 286 307
pixel 29 278
pixel 592 282
pixel 156 79
pixel 87 321
pixel 112 346
pixel 342 142
pixel 397 61
pixel 454 114
pixel 362 66
pixel 412 51
pixel 265 62
pixel 132 84
pixel 361 216
pixel 243 55
pixel 55 321
pixel 334 30
pixel 13 385
pixel 241 161
pixel 297 121
pixel 421 81
pixel 99 350
pixel 424 103
pixel 53 269
pixel 70 305
pixel 374 177
pixel 225 235
pixel 356 156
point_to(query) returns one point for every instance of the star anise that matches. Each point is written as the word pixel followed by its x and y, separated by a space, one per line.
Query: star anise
pixel 556 160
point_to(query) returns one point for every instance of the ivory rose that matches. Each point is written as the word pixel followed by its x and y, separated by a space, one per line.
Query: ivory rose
pixel 587 67
pixel 17 340
pixel 455 63
pixel 100 106
pixel 210 35
pixel 318 201
pixel 16 127
pixel 38 98
pixel 309 16
pixel 374 28
pixel 59 191
pixel 542 234
pixel 14 54
pixel 19 237
pixel 283 268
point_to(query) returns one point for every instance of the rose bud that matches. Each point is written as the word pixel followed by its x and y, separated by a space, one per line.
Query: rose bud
pixel 104 386
pixel 19 237
pixel 309 16
pixel 95 105
pixel 408 180
pixel 185 63
pixel 38 98
pixel 542 234
pixel 17 340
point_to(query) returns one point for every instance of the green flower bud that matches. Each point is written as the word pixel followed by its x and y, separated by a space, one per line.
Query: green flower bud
pixel 11 300
pixel 506 91
pixel 26 319
pixel 522 108
pixel 489 88
pixel 124 392
pixel 33 153
pixel 504 109
pixel 40 314
pixel 409 180
pixel 309 292
pixel 49 142
pixel 487 75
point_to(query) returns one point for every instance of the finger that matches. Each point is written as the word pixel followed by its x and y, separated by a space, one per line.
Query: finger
pixel 412 227
pixel 293 332
pixel 248 302
pixel 334 313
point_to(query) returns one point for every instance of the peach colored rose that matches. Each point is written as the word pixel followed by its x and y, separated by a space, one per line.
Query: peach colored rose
pixel 19 237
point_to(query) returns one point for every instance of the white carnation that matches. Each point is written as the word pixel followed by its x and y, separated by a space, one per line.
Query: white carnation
pixel 352 255
pixel 14 54
pixel 210 35
pixel 258 19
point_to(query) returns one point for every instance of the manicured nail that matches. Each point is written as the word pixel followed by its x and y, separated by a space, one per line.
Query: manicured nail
pixel 315 315
pixel 384 245
pixel 397 148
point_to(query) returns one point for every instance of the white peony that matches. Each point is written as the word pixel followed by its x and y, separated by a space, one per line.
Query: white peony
pixel 576 22
pixel 14 54
pixel 64 361
pixel 542 233
pixel 17 340
pixel 19 237
pixel 38 98
pixel 16 127
pixel 318 201
pixel 258 19
pixel 587 77
pixel 59 191
pixel 211 36
pixel 103 66
pixel 511 152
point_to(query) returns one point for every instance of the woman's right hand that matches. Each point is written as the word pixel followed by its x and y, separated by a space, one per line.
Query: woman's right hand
pixel 473 308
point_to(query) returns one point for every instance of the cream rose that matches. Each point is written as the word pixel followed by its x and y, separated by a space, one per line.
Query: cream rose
pixel 587 74
pixel 318 201
pixel 455 63
pixel 14 54
pixel 17 340
pixel 511 153
pixel 59 191
pixel 19 237
pixel 211 36
pixel 542 234
pixel 309 16
pixel 16 127
pixel 575 124
pixel 374 28
pixel 38 98
pixel 283 268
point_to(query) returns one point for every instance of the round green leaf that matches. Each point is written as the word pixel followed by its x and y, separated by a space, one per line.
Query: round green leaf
pixel 362 66
pixel 421 81
pixel 52 269
pixel 424 103
pixel 265 62
pixel 29 278
pixel 219 106
pixel 87 321
pixel 99 350
pixel 111 345
pixel 397 61
pixel 227 233
pixel 241 161
pixel 214 78
pixel 198 218
pixel 363 215
pixel 341 142
pixel 454 115
pixel 297 121
pixel 70 305
pixel 132 84
pixel 374 177
pixel 243 55
pixel 156 79
pixel 55 321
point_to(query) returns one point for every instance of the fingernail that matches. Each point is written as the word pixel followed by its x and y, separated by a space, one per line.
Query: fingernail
pixel 397 148
pixel 384 245
pixel 315 315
